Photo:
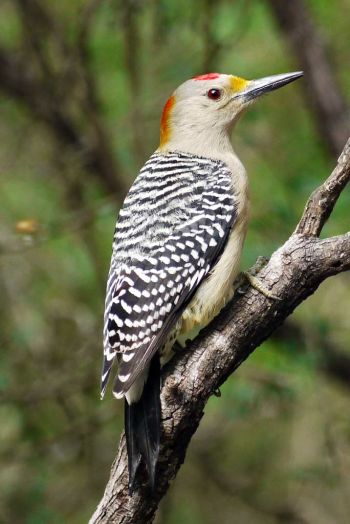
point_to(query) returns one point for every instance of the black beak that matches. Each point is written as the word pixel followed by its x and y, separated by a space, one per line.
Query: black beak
pixel 262 86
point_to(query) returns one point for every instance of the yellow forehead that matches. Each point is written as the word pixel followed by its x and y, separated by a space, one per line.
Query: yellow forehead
pixel 237 83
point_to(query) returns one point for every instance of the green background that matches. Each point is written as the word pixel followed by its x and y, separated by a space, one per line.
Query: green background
pixel 275 447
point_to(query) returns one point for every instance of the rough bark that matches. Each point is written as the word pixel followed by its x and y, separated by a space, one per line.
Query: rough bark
pixel 322 89
pixel 293 273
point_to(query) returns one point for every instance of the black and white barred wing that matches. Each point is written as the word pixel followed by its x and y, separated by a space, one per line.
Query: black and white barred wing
pixel 151 293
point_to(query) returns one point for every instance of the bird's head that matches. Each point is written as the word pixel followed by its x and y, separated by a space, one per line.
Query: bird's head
pixel 205 108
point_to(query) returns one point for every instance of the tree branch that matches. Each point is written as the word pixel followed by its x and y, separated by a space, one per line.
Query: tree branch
pixel 293 273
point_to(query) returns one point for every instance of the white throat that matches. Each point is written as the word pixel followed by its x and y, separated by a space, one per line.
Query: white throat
pixel 204 142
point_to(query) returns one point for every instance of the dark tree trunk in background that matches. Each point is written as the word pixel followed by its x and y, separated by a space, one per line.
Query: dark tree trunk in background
pixel 329 108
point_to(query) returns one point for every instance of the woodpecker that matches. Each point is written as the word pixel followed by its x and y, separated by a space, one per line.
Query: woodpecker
pixel 176 247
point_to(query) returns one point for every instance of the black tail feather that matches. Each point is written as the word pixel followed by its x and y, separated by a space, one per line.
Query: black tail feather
pixel 142 428
pixel 134 456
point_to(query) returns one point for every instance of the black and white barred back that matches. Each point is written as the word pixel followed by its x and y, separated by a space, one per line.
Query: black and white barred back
pixel 173 226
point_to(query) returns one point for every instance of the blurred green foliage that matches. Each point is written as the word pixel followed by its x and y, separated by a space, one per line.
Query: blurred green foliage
pixel 275 447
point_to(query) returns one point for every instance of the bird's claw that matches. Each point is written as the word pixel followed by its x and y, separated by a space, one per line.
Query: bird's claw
pixel 252 280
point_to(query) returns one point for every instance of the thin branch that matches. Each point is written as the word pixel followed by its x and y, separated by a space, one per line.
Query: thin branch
pixel 293 273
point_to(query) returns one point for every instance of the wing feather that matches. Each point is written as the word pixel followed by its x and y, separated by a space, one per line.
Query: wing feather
pixel 150 287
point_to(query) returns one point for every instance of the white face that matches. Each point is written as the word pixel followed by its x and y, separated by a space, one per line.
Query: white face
pixel 210 100
pixel 206 107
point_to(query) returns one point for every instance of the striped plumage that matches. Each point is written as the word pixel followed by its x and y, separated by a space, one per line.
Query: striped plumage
pixel 177 248
pixel 173 225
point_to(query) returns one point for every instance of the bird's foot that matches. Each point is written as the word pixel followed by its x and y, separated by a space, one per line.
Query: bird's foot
pixel 256 283
pixel 252 280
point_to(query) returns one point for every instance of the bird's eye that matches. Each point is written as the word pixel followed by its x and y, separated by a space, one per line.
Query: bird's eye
pixel 214 93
